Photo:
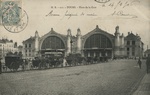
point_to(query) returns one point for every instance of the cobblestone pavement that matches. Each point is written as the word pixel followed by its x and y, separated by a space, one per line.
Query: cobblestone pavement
pixel 118 77
pixel 144 88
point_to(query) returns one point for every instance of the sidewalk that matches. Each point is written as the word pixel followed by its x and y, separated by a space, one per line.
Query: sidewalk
pixel 144 87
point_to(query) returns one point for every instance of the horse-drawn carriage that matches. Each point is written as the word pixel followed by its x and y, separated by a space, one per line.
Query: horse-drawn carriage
pixel 13 62
pixel 47 62
pixel 75 59
pixel 57 61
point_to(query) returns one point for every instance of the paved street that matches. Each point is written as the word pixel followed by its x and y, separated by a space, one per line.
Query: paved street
pixel 118 77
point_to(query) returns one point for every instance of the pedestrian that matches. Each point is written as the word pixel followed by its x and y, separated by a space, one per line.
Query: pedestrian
pixel 23 65
pixel 139 63
pixel 148 63
pixel 64 62
pixel 0 66
pixel 30 63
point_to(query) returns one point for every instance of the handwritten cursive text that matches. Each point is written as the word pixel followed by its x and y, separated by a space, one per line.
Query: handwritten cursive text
pixel 51 13
pixel 117 4
pixel 122 14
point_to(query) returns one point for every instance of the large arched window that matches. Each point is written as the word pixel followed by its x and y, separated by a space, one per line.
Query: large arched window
pixel 53 42
pixel 98 41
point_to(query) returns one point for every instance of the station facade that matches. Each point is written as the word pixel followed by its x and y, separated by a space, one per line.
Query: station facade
pixel 95 43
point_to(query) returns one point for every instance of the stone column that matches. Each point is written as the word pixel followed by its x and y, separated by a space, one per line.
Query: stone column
pixel 117 42
pixel 122 46
pixel 112 54
pixel 36 44
pixel 68 41
pixel 78 41
pixel 100 54
pixel 94 54
pixel 88 54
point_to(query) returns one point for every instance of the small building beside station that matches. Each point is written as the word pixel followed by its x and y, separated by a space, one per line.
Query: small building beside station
pixel 134 47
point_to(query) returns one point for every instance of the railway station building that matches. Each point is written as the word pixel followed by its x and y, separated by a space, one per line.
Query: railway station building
pixel 96 42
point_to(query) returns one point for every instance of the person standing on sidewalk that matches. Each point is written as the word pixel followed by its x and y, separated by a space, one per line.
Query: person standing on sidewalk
pixel 64 62
pixel 148 63
pixel 139 63
pixel 0 66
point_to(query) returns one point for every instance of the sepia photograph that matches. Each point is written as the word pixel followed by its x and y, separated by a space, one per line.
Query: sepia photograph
pixel 74 47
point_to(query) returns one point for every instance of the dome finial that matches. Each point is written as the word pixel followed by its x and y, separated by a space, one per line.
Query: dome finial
pixel 78 29
pixel 97 26
pixel 52 29
pixel 117 29
pixel 36 34
pixel 78 32
pixel 69 32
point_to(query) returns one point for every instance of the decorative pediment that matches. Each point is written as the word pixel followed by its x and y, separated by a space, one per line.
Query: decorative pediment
pixel 97 30
pixel 53 33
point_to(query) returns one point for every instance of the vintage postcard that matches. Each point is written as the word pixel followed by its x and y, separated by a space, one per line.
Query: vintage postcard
pixel 74 47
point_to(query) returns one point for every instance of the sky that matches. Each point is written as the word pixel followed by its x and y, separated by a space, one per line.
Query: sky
pixel 129 15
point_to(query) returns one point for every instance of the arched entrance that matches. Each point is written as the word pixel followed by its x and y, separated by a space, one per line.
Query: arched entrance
pixel 52 46
pixel 98 45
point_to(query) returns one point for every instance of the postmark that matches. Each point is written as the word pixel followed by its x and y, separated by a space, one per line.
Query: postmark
pixel 101 1
pixel 13 17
